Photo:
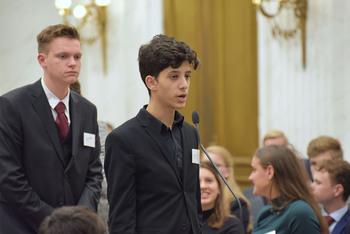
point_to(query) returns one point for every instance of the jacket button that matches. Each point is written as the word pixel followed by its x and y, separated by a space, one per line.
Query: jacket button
pixel 60 202
pixel 183 227
pixel 65 175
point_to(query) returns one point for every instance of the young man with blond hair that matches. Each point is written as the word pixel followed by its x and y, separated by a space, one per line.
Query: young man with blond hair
pixel 49 143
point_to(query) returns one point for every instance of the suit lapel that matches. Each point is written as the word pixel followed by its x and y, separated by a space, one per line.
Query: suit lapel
pixel 76 118
pixel 339 228
pixel 44 112
pixel 185 149
pixel 159 141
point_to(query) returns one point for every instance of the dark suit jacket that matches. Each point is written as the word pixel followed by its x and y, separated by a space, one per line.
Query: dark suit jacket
pixel 33 177
pixel 347 226
pixel 340 227
pixel 144 190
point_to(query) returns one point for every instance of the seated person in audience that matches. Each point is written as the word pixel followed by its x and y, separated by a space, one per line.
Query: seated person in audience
pixel 321 148
pixel 224 161
pixel 331 188
pixel 72 220
pixel 278 175
pixel 275 137
pixel 272 137
pixel 216 215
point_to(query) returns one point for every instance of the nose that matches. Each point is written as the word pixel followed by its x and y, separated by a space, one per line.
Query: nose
pixel 250 177
pixel 184 82
pixel 71 61
pixel 202 184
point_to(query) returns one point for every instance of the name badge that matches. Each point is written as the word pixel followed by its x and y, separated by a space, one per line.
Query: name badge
pixel 195 156
pixel 89 139
pixel 271 232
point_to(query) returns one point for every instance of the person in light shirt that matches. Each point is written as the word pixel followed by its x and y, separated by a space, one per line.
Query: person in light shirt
pixel 331 188
pixel 49 143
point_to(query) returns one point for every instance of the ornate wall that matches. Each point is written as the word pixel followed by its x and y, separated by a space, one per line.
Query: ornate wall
pixel 306 103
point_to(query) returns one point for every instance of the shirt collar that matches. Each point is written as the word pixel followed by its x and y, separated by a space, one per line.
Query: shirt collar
pixel 52 99
pixel 336 215
pixel 159 125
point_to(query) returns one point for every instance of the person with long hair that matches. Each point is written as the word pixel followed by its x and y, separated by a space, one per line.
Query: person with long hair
pixel 278 175
pixel 224 161
pixel 216 214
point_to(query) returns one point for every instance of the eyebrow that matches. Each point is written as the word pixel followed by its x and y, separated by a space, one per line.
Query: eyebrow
pixel 177 71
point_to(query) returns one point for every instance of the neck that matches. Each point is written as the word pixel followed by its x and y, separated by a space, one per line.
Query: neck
pixel 166 116
pixel 334 206
pixel 58 89
pixel 274 193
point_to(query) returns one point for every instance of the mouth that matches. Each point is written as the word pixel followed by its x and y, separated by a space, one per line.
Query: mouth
pixel 204 194
pixel 182 97
pixel 71 72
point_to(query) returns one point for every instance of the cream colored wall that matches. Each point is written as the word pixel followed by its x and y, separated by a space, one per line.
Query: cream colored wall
pixel 120 93
pixel 302 103
pixel 306 103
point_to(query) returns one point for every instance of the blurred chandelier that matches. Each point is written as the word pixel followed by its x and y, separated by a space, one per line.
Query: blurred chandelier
pixel 275 10
pixel 89 17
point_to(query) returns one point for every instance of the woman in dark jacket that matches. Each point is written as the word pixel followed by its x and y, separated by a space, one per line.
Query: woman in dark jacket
pixel 216 214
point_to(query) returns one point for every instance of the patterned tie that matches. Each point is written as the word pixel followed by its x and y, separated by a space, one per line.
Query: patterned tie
pixel 329 220
pixel 61 120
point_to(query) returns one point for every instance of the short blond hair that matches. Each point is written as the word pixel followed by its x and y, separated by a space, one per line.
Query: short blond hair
pixel 275 134
pixel 47 35
pixel 323 144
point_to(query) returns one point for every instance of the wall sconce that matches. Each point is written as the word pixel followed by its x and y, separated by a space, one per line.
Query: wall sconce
pixel 89 17
pixel 275 9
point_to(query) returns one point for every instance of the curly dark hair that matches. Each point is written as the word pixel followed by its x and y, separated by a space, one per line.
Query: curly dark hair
pixel 161 52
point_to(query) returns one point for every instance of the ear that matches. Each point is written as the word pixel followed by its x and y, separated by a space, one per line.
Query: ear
pixel 151 82
pixel 270 171
pixel 41 60
pixel 338 190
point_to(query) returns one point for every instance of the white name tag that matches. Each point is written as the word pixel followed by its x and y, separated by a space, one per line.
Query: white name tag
pixel 89 139
pixel 271 232
pixel 195 156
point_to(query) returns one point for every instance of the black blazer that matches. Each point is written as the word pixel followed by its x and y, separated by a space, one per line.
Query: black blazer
pixel 144 190
pixel 33 177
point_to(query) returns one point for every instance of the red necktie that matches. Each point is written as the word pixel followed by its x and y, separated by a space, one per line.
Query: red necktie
pixel 61 120
pixel 329 220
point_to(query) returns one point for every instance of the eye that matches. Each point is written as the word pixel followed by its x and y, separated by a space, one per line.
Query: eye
pixel 77 57
pixel 173 77
pixel 62 56
pixel 209 180
pixel 187 77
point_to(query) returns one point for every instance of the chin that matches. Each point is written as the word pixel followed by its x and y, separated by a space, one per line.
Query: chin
pixel 72 80
pixel 180 106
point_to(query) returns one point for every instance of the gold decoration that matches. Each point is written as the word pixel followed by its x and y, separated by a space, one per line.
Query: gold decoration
pixel 89 17
pixel 299 9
